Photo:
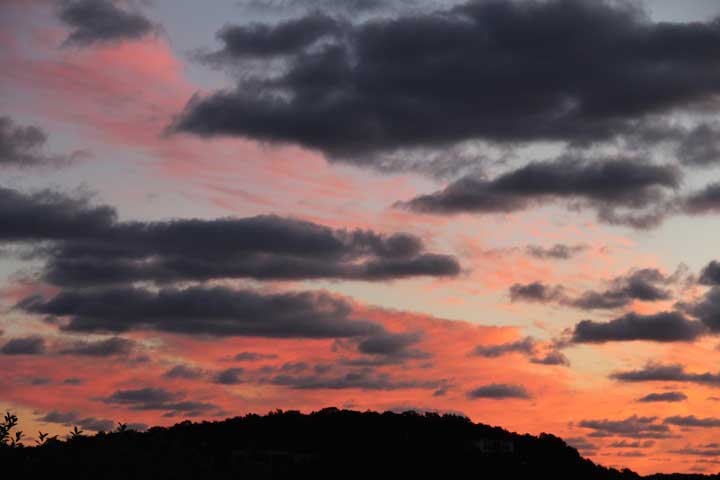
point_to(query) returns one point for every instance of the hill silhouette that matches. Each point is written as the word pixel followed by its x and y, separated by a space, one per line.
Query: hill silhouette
pixel 330 443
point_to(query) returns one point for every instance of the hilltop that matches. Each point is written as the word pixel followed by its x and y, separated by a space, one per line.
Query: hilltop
pixel 330 443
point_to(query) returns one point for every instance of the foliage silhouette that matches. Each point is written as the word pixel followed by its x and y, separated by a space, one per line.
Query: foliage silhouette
pixel 329 443
pixel 7 437
pixel 75 433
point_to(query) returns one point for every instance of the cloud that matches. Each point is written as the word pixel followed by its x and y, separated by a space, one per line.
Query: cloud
pixel 499 391
pixel 230 376
pixel 370 72
pixel 101 348
pixel 48 216
pixel 526 346
pixel 706 200
pixel 536 292
pixel 699 146
pixel 556 252
pixel 22 146
pixel 253 356
pixel 710 275
pixel 101 21
pixel 143 396
pixel 692 421
pixel 89 247
pixel 553 357
pixel 657 372
pixel 341 7
pixel 658 327
pixel 298 367
pixel 32 345
pixel 74 419
pixel 581 443
pixel 199 310
pixel 701 451
pixel 644 284
pixel 707 309
pixel 260 40
pixel 605 185
pixel 184 372
pixel 626 444
pixel 632 427
pixel 663 397
pixel 647 285
pixel 396 345
pixel 154 398
pixel 365 379
pixel 36 381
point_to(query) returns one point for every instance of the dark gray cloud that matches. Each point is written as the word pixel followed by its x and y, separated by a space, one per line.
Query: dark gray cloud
pixel 253 356
pixel 536 83
pixel 607 185
pixel 701 452
pixel 260 40
pixel 199 310
pixel 50 216
pixel 230 376
pixel 692 421
pixel 22 146
pixel 143 396
pixel 184 372
pixel 342 7
pixel 32 345
pixel 657 372
pixel 700 146
pixel 556 252
pixel 152 398
pixel 74 419
pixel 273 255
pixel 657 327
pixel 648 285
pixel 581 443
pixel 553 357
pixel 526 346
pixel 365 379
pixel 499 391
pixel 663 397
pixel 707 309
pixel 631 427
pixel 536 292
pixel 706 200
pixel 38 381
pixel 100 348
pixel 101 21
pixel 396 345
pixel 710 275
pixel 294 367
pixel 89 247
pixel 636 444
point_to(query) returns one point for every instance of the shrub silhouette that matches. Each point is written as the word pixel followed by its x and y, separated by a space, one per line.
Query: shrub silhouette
pixel 75 433
pixel 7 437
pixel 330 443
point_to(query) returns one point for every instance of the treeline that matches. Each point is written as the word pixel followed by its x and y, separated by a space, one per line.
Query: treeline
pixel 330 443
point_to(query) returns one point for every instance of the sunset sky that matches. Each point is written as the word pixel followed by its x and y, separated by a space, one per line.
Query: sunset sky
pixel 503 209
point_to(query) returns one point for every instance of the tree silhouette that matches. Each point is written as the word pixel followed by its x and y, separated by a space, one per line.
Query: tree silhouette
pixel 329 443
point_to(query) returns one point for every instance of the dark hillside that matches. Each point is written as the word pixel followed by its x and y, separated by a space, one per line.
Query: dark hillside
pixel 330 443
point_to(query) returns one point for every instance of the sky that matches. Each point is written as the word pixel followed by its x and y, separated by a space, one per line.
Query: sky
pixel 501 209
